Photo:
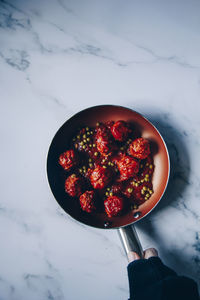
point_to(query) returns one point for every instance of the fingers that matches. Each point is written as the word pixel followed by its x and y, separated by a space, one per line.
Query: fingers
pixel 133 256
pixel 150 252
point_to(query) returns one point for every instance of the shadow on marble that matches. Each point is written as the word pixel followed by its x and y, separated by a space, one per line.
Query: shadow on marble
pixel 179 179
pixel 175 258
pixel 179 160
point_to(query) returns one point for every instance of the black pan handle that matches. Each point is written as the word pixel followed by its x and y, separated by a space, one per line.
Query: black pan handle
pixel 130 240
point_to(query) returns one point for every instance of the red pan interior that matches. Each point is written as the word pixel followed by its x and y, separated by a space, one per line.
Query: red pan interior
pixel 89 117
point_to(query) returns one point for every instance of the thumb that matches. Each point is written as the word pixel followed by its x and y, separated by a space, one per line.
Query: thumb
pixel 150 252
pixel 133 256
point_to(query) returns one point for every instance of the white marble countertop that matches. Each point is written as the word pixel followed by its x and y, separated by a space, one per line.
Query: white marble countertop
pixel 56 58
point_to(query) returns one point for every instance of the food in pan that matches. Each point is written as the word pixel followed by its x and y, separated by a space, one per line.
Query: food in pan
pixel 100 177
pixel 74 185
pixel 87 201
pixel 113 205
pixel 108 168
pixel 120 131
pixel 68 159
pixel 127 166
pixel 105 144
pixel 139 148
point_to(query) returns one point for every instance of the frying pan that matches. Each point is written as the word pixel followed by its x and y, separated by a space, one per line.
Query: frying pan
pixel 56 175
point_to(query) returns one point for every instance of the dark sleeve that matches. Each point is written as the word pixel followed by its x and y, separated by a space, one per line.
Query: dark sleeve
pixel 151 279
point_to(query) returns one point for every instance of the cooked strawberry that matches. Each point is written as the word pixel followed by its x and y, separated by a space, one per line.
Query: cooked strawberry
pixel 120 131
pixel 104 140
pixel 74 185
pixel 100 177
pixel 87 201
pixel 113 205
pixel 127 166
pixel 140 148
pixel 68 159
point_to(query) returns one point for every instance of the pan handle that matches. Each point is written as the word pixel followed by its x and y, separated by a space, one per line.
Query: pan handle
pixel 130 240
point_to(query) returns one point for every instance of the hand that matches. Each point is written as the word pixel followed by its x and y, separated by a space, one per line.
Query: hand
pixel 150 279
pixel 150 252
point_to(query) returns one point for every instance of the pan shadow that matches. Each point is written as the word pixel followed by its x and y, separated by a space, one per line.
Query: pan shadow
pixel 179 180
pixel 179 160
pixel 183 264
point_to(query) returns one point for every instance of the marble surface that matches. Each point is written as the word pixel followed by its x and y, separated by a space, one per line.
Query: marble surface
pixel 56 58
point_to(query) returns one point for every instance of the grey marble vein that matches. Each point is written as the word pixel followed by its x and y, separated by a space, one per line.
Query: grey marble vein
pixel 16 59
pixel 172 58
